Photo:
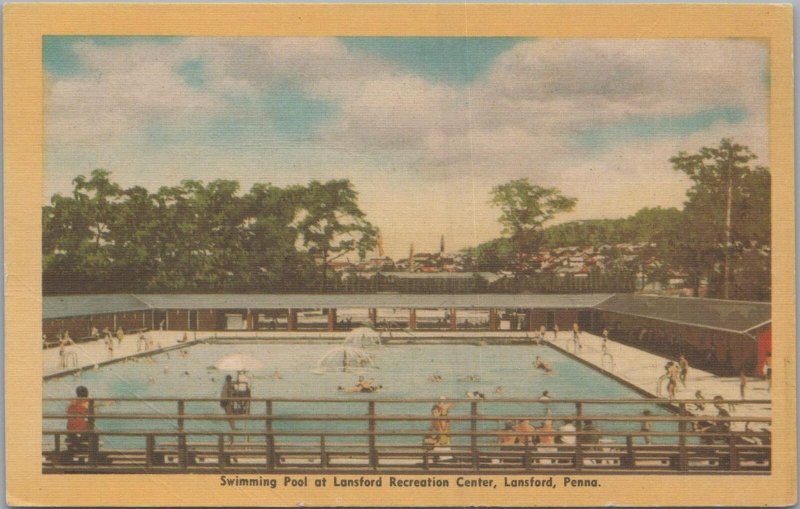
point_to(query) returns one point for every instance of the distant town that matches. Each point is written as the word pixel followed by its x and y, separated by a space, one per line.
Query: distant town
pixel 636 258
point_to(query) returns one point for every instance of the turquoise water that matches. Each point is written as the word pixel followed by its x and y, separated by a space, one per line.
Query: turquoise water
pixel 403 370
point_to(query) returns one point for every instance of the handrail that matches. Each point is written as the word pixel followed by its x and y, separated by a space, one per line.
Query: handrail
pixel 438 400
pixel 417 417
pixel 715 448
pixel 407 433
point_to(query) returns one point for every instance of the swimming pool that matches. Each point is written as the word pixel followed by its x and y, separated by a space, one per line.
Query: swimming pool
pixel 402 370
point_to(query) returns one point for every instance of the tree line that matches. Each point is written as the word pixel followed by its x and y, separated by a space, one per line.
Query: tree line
pixel 199 237
pixel 721 237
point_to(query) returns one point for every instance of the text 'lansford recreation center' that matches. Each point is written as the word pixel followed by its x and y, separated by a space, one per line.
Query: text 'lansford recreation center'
pixel 433 383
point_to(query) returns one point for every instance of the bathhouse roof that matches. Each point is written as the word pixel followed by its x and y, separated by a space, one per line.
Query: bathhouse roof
pixel 729 315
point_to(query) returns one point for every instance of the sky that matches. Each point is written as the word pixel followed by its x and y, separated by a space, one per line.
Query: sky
pixel 424 127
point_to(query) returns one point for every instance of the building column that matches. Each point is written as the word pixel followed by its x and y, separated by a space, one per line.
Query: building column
pixel 115 322
pixel 373 316
pixel 529 317
pixel 492 319
pixel 248 319
pixel 412 319
pixel 291 320
pixel 331 319
pixel 453 319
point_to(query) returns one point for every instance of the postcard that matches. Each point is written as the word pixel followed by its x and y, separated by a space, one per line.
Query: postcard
pixel 399 255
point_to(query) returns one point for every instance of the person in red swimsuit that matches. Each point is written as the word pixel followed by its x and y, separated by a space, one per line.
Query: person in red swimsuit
pixel 78 421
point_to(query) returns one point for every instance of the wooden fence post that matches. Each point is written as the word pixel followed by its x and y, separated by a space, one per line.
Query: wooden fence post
pixel 578 438
pixel 683 454
pixel 270 438
pixel 473 426
pixel 182 453
pixel 373 452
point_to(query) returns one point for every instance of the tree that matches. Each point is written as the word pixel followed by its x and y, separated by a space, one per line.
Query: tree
pixel 331 224
pixel 727 204
pixel 525 209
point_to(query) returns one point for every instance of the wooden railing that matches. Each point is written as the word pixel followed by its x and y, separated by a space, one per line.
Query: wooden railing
pixel 385 442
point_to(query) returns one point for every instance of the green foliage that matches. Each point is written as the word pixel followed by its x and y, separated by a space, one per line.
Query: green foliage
pixel 331 225
pixel 727 210
pixel 525 208
pixel 724 228
pixel 647 225
pixel 196 236
pixel 492 256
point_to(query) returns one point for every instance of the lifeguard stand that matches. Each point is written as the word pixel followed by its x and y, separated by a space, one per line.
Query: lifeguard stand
pixel 241 389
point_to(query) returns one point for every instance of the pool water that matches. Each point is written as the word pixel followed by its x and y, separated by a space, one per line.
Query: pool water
pixel 402 370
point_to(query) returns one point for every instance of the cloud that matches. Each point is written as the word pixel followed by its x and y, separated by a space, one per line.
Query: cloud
pixel 597 118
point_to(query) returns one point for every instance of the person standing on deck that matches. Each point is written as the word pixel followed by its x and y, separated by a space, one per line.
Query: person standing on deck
pixel 439 424
pixel 109 347
pixel 742 385
pixel 507 437
pixel 120 335
pixel 78 421
pixel 565 437
pixel 576 335
pixel 605 340
pixel 525 432
pixel 225 401
pixel 672 383
pixel 766 371
pixel 684 365
pixel 555 332
pixel 63 342
pixel 546 433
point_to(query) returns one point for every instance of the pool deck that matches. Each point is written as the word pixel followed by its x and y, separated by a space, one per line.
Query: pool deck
pixel 93 353
pixel 631 366
pixel 642 370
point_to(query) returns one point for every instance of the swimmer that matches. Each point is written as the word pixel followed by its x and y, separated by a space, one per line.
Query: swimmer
pixel 96 367
pixel 475 395
pixel 470 378
pixel 499 390
pixel 166 369
pixel 276 375
pixel 363 385
pixel 434 378
pixel 186 373
pixel 544 366
pixel 151 379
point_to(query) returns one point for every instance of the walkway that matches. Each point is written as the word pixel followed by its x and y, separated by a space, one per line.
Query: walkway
pixel 642 369
pixel 95 352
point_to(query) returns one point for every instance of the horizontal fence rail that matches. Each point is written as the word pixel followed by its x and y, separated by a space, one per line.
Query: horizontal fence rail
pixel 194 435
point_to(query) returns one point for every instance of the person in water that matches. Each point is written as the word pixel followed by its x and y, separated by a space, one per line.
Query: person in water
pixel 538 363
pixel 363 385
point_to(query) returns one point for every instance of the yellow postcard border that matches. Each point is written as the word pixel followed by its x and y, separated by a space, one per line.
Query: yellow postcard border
pixel 24 26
